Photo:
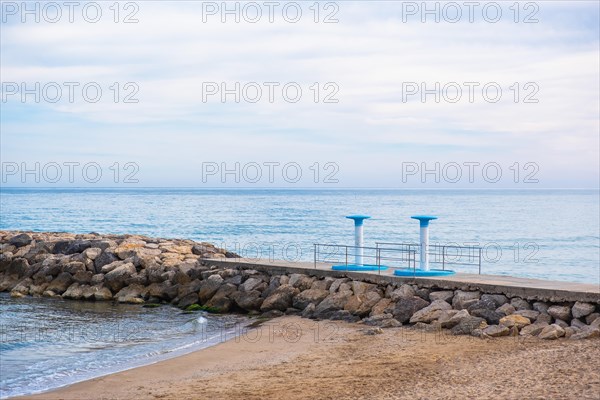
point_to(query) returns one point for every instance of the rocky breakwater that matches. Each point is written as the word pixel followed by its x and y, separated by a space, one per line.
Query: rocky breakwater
pixel 138 269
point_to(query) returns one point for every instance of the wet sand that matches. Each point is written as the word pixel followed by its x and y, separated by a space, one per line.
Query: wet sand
pixel 295 358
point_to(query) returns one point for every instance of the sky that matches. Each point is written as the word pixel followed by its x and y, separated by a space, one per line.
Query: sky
pixel 344 94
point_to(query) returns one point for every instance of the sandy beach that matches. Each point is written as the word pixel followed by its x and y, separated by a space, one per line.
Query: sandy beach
pixel 295 358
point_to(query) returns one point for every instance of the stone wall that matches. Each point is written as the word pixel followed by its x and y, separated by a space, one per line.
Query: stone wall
pixel 138 269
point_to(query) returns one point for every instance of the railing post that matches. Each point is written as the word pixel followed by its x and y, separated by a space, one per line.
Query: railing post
pixel 346 257
pixel 315 251
pixel 480 261
pixel 443 258
pixel 378 255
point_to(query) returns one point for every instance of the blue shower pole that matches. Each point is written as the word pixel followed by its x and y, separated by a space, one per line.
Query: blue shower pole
pixel 358 237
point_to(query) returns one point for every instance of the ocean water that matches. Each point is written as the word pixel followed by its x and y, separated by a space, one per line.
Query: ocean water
pixel 547 234
pixel 48 343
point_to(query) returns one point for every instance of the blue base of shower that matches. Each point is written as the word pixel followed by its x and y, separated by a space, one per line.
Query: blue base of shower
pixel 423 273
pixel 355 267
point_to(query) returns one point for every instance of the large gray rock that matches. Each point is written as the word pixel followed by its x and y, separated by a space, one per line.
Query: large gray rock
pixel 314 296
pixel 301 281
pixel 560 312
pixel 580 309
pixel 451 318
pixel 520 304
pixel 192 287
pixel 467 325
pixel 105 258
pixel 74 292
pixel 498 299
pixel 361 304
pixel 552 332
pixel 333 302
pixel 463 299
pixel 530 314
pixel 487 304
pixel 250 284
pixel 280 299
pixel 221 302
pixel 383 306
pixel 430 313
pixel 586 333
pixel 249 301
pixel 592 317
pixel 60 284
pixel 541 307
pixel 403 292
pixel 533 329
pixel 382 321
pixel 187 300
pixel 119 277
pixel 130 294
pixel 445 295
pixel 492 317
pixel 496 330
pixel 20 240
pixel 407 306
pixel 209 287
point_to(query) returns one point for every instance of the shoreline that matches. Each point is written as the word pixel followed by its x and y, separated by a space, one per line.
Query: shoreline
pixel 296 358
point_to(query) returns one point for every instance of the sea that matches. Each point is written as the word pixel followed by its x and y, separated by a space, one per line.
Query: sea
pixel 45 343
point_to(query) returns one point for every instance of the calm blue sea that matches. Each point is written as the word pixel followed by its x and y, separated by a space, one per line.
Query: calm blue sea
pixel 549 234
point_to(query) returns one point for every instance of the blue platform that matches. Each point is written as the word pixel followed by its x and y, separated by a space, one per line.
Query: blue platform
pixel 354 267
pixel 423 273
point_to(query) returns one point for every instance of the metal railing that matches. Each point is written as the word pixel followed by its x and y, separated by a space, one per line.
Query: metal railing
pixel 377 256
pixel 442 254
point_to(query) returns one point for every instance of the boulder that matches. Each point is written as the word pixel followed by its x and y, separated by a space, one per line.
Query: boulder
pixel 74 267
pixel 74 292
pixel 445 295
pixel 280 299
pixel 580 309
pixel 506 309
pixel 467 325
pixel 333 302
pixel 361 304
pixel 60 284
pixel 83 277
pixel 105 258
pixel 301 281
pixel 496 330
pixel 119 277
pixel 544 318
pixel 492 317
pixel 221 302
pixel 315 296
pixel 101 293
pixel 529 314
pixel 187 300
pixel 591 318
pixel 577 323
pixel 130 294
pixel 486 304
pixel 498 299
pixel 249 301
pixel 431 312
pixel 586 333
pixel 383 306
pixel 359 287
pixel 515 320
pixel 404 291
pixel 463 299
pixel 188 288
pixel 323 284
pixel 335 285
pixel 382 321
pixel 209 287
pixel 407 306
pixel 533 329
pixel 552 332
pixel 92 253
pixel 560 312
pixel 451 318
pixel 520 304
pixel 20 240
pixel 541 306
pixel 250 284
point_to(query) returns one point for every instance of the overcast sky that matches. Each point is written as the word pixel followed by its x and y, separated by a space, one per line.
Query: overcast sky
pixel 376 128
